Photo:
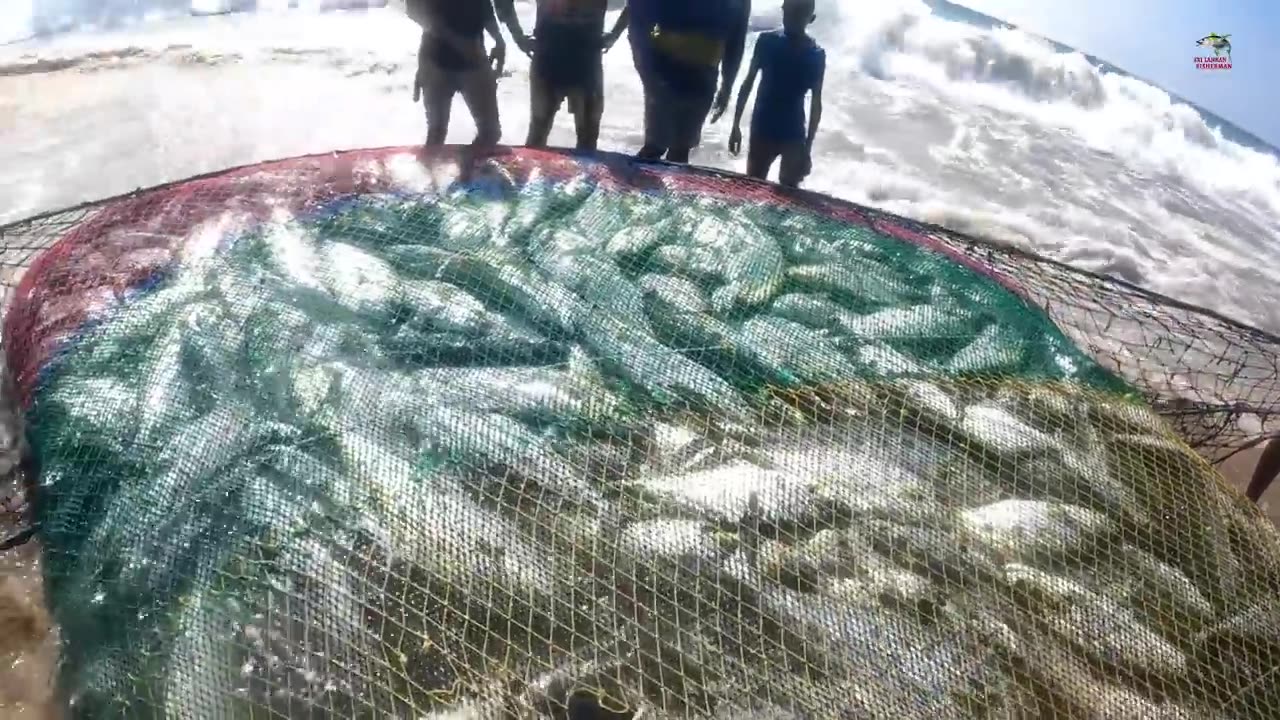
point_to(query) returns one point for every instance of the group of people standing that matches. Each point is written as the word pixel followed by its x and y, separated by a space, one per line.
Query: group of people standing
pixel 687 54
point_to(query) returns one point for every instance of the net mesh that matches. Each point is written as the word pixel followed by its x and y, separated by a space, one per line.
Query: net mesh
pixel 395 434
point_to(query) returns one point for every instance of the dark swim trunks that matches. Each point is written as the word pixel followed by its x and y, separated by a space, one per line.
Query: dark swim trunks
pixel 567 55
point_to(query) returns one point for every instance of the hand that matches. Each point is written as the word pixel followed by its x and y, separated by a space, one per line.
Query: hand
pixel 417 86
pixel 735 140
pixel 721 104
pixel 607 42
pixel 498 58
pixel 525 43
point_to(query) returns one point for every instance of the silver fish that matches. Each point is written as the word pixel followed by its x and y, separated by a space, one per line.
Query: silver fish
pixel 570 395
pixel 996 349
pixel 678 293
pixel 864 284
pixel 441 306
pixel 746 261
pixel 999 431
pixel 357 280
pixel 1038 533
pixel 707 340
pixel 934 673
pixel 910 325
pixel 854 475
pixel 727 492
pixel 798 351
pixel 1107 631
pixel 812 310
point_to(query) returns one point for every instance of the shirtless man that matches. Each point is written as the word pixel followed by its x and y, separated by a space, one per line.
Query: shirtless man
pixel 452 61
pixel 567 49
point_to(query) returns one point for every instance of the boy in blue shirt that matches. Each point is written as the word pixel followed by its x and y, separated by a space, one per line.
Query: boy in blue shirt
pixel 792 64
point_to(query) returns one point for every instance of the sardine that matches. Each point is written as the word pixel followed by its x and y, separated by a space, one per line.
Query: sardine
pixel 483 442
pixel 997 349
pixel 856 477
pixel 1107 631
pixel 442 307
pixel 861 285
pixel 928 330
pixel 795 350
pixel 632 240
pixel 570 395
pixel 1157 592
pixel 815 311
pixel 1039 533
pixel 679 294
pixel 707 340
pixel 726 493
pixel 357 280
pixel 746 262
pixel 504 282
pixel 934 673
pixel 999 431
pixel 803 241
pixel 669 550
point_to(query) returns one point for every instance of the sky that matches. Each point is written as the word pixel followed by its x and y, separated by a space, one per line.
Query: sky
pixel 1155 40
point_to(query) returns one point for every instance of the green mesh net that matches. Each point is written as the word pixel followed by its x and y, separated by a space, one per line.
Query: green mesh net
pixel 386 434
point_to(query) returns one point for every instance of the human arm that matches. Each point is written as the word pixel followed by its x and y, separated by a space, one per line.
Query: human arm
pixel 498 56
pixel 744 94
pixel 619 27
pixel 735 47
pixel 815 106
pixel 417 76
pixel 815 115
pixel 506 10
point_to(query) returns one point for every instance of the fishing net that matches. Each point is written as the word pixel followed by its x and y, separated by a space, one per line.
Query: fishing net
pixel 397 434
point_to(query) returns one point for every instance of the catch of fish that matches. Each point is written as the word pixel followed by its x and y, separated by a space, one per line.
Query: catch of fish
pixel 572 452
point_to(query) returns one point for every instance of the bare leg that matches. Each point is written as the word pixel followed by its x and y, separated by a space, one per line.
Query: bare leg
pixel 654 122
pixel 760 158
pixel 437 100
pixel 588 110
pixel 480 92
pixel 1266 472
pixel 544 104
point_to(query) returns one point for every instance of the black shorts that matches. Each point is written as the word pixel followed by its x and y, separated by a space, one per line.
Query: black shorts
pixel 585 94
pixel 568 57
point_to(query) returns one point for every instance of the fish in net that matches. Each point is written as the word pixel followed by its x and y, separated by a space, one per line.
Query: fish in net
pixel 418 434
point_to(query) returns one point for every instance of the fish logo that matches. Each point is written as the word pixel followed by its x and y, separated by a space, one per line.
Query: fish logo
pixel 1221 47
